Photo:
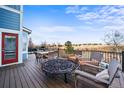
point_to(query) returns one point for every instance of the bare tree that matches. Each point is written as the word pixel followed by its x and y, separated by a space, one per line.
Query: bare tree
pixel 44 46
pixel 115 38
pixel 31 45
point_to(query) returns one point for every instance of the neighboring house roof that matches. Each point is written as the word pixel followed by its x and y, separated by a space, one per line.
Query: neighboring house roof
pixel 27 30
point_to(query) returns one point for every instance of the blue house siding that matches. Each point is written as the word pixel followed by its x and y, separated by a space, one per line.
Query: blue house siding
pixel 17 7
pixel 9 19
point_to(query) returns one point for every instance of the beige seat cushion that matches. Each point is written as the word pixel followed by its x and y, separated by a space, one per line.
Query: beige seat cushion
pixel 103 75
pixel 83 62
pixel 89 76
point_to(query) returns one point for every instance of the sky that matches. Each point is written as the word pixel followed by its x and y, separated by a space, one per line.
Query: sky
pixel 78 24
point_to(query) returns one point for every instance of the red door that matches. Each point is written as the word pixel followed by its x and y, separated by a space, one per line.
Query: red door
pixel 9 48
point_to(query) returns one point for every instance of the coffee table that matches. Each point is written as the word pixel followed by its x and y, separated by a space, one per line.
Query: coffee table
pixel 59 66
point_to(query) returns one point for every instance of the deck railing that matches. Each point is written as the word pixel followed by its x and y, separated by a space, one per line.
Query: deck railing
pixel 107 56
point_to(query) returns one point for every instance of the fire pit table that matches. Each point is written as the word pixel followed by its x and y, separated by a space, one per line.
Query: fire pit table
pixel 58 66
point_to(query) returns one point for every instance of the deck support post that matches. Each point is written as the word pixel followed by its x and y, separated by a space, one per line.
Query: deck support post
pixel 58 52
pixel 123 61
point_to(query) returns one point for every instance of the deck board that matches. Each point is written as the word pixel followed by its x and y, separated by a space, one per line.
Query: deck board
pixel 29 81
pixel 17 79
pixel 22 78
pixel 6 81
pixel 39 76
pixel 36 84
pixel 35 77
pixel 12 79
pixel 2 79
pixel 0 73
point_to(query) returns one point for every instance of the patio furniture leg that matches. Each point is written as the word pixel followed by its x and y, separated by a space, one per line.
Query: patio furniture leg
pixel 65 78
pixel 76 83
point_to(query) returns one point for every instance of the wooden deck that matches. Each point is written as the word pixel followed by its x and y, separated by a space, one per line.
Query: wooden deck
pixel 29 75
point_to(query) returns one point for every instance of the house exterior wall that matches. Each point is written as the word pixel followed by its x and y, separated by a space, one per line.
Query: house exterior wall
pixel 0 48
pixel 9 20
pixel 25 45
pixel 17 7
pixel 10 17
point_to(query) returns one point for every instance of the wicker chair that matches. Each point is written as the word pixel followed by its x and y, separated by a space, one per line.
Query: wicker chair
pixel 38 57
pixel 92 64
pixel 95 59
pixel 89 80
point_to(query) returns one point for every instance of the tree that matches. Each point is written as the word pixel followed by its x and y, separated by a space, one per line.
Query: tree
pixel 59 45
pixel 31 45
pixel 43 45
pixel 69 48
pixel 115 38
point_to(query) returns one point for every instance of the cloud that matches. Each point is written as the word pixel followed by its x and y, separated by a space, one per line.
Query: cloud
pixel 101 15
pixel 87 16
pixel 80 34
pixel 96 22
pixel 114 28
pixel 77 34
pixel 72 9
pixel 57 29
pixel 75 9
pixel 51 34
pixel 104 12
